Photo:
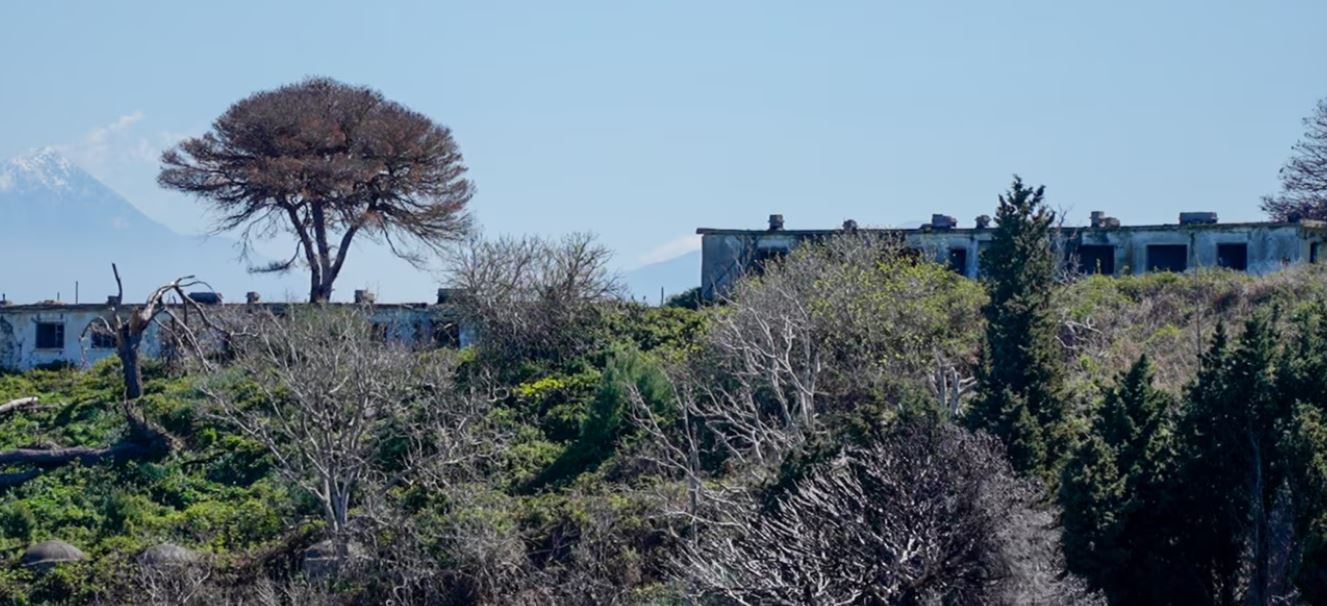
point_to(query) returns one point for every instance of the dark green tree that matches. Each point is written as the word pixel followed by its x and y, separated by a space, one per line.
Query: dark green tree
pixel 1021 396
pixel 1304 381
pixel 1112 491
pixel 1230 466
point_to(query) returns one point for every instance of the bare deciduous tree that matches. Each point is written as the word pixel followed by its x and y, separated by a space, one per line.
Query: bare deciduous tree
pixel 129 326
pixel 324 390
pixel 324 162
pixel 1304 177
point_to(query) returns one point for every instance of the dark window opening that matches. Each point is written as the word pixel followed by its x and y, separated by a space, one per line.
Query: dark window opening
pixel 1313 252
pixel 102 340
pixel 958 260
pixel 1096 259
pixel 1167 257
pixel 766 257
pixel 1233 256
pixel 50 335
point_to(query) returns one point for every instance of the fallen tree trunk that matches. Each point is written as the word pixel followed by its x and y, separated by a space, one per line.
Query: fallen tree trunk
pixel 12 406
pixel 145 440
pixel 82 454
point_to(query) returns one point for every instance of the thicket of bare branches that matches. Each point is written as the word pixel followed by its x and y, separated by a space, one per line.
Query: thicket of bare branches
pixel 832 328
pixel 926 515
pixel 533 298
pixel 322 393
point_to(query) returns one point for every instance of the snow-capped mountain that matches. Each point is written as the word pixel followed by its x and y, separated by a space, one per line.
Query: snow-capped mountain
pixel 60 225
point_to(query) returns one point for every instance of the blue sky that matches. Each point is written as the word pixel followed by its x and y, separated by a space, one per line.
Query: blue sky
pixel 641 121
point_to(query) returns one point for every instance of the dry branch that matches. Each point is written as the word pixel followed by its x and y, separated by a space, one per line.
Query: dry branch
pixel 21 404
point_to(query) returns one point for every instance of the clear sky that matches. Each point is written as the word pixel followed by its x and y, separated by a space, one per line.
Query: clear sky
pixel 641 121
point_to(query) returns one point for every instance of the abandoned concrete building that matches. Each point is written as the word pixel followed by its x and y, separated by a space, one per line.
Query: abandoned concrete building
pixel 52 332
pixel 1104 246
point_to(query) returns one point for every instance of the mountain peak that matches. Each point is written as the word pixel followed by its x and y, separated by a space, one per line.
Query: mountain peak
pixel 43 167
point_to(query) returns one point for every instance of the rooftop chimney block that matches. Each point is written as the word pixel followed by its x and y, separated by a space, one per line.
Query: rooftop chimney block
pixel 364 297
pixel 205 298
pixel 939 221
pixel 776 222
pixel 1198 218
pixel 251 297
pixel 445 295
pixel 983 221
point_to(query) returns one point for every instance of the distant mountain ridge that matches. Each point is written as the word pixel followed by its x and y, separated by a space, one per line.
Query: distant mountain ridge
pixel 674 276
pixel 60 225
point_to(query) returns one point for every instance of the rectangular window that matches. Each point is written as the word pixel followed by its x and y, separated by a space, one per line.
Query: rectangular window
pixel 1096 259
pixel 50 335
pixel 1313 252
pixel 958 260
pixel 1167 257
pixel 1233 256
pixel 102 340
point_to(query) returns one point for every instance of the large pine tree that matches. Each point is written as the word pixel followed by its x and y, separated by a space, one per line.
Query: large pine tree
pixel 1021 395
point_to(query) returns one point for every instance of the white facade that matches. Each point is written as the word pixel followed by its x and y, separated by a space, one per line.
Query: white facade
pixel 54 333
pixel 33 335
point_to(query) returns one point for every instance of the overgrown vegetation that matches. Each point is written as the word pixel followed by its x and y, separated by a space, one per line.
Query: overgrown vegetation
pixel 839 430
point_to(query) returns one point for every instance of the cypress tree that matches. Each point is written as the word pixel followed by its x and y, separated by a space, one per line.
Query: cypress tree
pixel 1021 396
pixel 1303 376
pixel 1230 465
pixel 1112 492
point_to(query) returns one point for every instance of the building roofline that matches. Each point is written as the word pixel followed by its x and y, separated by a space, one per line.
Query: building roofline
pixel 1306 224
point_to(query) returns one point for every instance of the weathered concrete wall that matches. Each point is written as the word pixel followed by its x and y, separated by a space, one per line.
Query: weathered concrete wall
pixel 8 345
pixel 1270 247
pixel 727 254
pixel 411 325
pixel 18 338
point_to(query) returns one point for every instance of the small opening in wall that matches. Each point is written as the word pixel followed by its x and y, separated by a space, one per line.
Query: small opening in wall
pixel 1096 259
pixel 1167 257
pixel 1233 256
pixel 958 260
pixel 102 340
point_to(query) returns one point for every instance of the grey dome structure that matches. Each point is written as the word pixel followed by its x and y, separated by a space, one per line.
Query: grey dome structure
pixel 168 554
pixel 47 554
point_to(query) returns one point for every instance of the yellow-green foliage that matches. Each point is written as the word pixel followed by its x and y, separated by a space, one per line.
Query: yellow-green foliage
pixel 1109 321
pixel 215 495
